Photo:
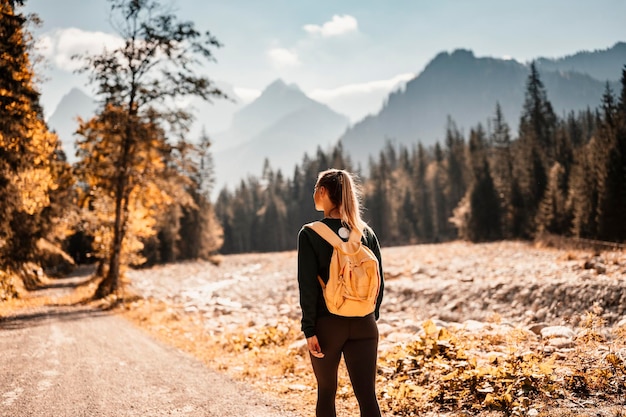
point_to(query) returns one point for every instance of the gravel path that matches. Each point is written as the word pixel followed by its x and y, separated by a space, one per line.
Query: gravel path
pixel 83 362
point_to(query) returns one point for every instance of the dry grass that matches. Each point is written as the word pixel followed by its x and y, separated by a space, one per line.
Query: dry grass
pixel 274 360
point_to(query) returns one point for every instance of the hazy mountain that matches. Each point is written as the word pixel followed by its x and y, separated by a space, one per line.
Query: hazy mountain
pixel 275 102
pixel 466 88
pixel 214 116
pixel 282 125
pixel 603 65
pixel 64 120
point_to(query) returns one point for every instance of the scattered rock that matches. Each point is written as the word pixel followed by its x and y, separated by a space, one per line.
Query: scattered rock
pixel 418 270
pixel 531 288
pixel 384 329
pixel 299 346
pixel 393 273
pixel 537 328
pixel 561 342
pixel 299 387
pixel 532 412
pixel 474 326
pixel 440 323
pixel 557 332
pixel 596 263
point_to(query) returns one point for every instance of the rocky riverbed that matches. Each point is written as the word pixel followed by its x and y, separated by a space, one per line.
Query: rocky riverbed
pixel 514 283
pixel 559 311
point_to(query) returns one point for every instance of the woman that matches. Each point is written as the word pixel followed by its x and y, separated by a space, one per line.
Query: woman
pixel 329 336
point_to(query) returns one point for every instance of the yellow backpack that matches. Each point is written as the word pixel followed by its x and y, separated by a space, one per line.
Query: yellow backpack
pixel 354 276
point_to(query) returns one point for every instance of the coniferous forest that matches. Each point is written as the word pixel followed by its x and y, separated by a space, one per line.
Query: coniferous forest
pixel 140 191
pixel 557 175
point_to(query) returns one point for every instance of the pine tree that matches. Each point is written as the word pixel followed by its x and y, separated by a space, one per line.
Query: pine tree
pixel 200 234
pixel 538 121
pixel 621 148
pixel 611 170
pixel 502 169
pixel 456 168
pixel 537 149
pixel 484 206
pixel 583 192
pixel 422 197
pixel 225 216
pixel 551 215
pixel 437 184
pixel 375 199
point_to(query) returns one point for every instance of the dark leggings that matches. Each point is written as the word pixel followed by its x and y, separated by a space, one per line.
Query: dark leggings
pixel 357 339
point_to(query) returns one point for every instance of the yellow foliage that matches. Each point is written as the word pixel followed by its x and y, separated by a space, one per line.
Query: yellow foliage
pixel 148 190
pixel 34 185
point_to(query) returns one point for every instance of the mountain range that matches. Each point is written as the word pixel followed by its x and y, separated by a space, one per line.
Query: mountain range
pixel 466 88
pixel 283 123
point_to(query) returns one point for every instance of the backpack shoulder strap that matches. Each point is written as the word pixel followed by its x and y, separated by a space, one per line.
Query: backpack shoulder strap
pixel 355 236
pixel 325 233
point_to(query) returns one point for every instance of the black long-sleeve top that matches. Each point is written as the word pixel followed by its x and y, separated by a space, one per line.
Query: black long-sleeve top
pixel 314 255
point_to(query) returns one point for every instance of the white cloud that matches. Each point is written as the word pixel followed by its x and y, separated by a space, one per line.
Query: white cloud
pixel 60 45
pixel 358 100
pixel 247 94
pixel 361 88
pixel 283 58
pixel 338 25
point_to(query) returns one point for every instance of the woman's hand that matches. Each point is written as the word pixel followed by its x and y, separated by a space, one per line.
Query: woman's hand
pixel 314 347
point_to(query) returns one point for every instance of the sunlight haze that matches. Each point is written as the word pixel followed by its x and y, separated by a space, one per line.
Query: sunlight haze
pixel 348 55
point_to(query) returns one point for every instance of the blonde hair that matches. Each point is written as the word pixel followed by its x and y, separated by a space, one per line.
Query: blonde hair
pixel 344 194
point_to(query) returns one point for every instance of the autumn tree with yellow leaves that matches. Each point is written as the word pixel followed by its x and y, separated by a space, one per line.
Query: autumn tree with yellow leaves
pixel 128 170
pixel 33 174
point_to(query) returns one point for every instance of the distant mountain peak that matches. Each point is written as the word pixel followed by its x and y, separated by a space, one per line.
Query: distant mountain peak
pixel 279 93
pixel 456 54
pixel 76 103
pixel 462 53
pixel 279 86
pixel 77 91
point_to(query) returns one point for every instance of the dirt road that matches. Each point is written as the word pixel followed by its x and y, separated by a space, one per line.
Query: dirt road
pixel 79 361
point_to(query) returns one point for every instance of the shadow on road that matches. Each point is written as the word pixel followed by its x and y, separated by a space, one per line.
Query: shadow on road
pixel 66 282
pixel 50 309
pixel 49 313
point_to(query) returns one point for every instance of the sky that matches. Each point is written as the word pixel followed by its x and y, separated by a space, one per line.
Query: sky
pixel 348 54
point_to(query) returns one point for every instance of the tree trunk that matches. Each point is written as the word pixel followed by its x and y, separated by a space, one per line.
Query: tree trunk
pixel 110 283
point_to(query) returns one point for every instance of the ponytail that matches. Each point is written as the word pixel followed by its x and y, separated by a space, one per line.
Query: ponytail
pixel 345 195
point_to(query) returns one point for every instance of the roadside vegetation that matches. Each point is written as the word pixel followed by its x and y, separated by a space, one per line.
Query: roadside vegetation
pixel 443 371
